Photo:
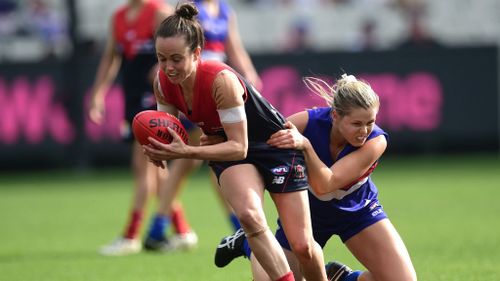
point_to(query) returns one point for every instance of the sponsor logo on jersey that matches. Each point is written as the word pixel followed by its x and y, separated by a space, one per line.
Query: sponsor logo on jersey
pixel 278 180
pixel 373 206
pixel 376 212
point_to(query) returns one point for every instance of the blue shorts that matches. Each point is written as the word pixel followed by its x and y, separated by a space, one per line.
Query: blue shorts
pixel 283 170
pixel 345 224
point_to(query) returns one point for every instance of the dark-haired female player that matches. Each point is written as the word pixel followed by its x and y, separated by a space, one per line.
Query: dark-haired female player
pixel 224 105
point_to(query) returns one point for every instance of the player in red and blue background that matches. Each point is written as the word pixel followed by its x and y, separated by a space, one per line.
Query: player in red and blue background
pixel 342 146
pixel 130 49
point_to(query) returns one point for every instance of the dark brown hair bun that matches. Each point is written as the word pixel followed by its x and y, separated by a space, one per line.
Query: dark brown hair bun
pixel 187 11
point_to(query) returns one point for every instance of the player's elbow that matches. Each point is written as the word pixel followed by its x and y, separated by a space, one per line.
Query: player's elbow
pixel 241 152
pixel 240 156
pixel 319 187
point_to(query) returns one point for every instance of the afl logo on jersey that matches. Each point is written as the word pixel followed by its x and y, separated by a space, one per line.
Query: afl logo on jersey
pixel 280 170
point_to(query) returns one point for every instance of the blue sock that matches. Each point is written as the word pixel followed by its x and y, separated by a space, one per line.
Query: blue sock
pixel 234 221
pixel 246 249
pixel 353 276
pixel 158 227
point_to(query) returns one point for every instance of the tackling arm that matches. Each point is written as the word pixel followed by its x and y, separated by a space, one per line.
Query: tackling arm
pixel 344 171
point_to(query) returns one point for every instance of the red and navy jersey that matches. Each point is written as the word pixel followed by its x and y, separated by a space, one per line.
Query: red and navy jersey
pixel 216 30
pixel 262 119
pixel 353 196
pixel 135 42
pixel 136 36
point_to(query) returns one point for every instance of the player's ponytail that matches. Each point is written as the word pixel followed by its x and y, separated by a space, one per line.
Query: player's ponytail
pixel 321 88
pixel 346 94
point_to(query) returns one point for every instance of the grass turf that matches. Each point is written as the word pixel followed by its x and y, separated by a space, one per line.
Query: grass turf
pixel 52 223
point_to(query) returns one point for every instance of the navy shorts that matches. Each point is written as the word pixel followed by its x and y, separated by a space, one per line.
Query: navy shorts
pixel 188 125
pixel 283 170
pixel 345 224
pixel 132 107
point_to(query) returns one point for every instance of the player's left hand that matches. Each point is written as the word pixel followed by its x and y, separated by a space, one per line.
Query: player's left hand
pixel 289 138
pixel 158 151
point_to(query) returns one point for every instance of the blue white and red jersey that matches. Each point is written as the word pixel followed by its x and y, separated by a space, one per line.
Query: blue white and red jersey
pixel 352 197
pixel 216 30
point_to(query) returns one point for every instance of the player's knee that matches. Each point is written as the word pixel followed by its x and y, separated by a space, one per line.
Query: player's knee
pixel 250 219
pixel 303 248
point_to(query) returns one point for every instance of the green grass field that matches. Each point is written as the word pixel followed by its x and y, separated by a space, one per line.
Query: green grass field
pixel 52 223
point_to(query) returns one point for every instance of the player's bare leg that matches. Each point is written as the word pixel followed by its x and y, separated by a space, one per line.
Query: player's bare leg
pixel 259 273
pixel 227 209
pixel 293 210
pixel 386 257
pixel 245 197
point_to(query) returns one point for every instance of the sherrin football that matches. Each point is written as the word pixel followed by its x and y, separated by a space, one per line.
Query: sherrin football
pixel 152 123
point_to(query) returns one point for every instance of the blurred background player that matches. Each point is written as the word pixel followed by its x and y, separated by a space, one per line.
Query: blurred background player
pixel 222 43
pixel 130 47
pixel 342 146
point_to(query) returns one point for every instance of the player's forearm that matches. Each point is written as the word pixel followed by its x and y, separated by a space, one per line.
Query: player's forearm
pixel 319 175
pixel 106 73
pixel 225 151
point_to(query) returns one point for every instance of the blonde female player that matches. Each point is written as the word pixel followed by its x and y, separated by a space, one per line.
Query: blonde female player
pixel 342 146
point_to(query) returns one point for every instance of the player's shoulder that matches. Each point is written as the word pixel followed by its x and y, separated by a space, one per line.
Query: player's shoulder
pixel 226 79
pixel 120 10
pixel 320 114
pixel 377 131
pixel 213 64
pixel 299 120
pixel 227 74
pixel 216 68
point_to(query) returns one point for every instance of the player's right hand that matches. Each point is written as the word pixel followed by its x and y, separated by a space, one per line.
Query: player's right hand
pixel 97 110
pixel 289 138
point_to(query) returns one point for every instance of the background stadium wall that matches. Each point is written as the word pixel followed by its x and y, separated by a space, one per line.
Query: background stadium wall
pixel 433 101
